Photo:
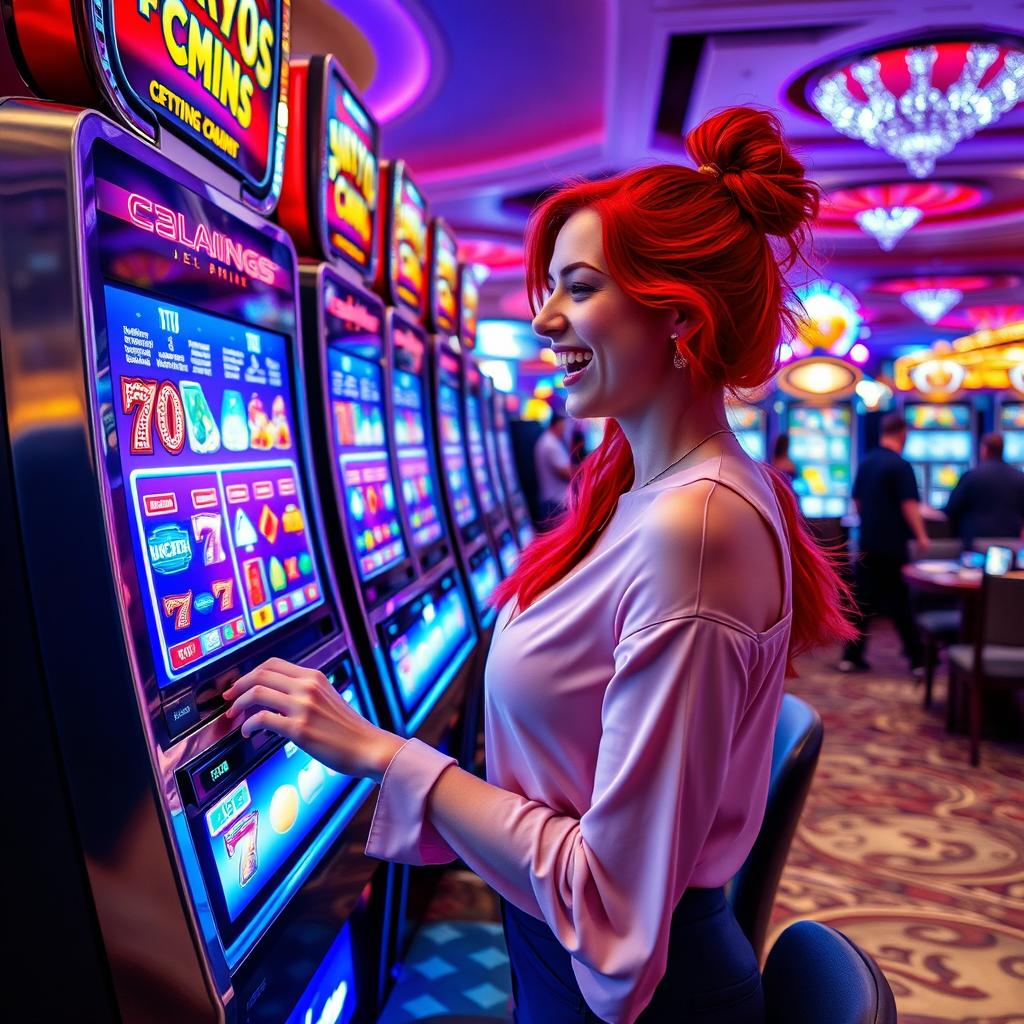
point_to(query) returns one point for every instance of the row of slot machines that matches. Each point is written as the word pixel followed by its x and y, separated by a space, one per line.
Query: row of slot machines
pixel 824 439
pixel 215 451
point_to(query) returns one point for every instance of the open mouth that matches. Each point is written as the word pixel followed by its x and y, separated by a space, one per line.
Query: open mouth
pixel 575 362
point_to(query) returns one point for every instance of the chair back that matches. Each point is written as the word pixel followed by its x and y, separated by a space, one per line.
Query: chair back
pixel 751 892
pixel 816 975
pixel 948 547
pixel 1002 609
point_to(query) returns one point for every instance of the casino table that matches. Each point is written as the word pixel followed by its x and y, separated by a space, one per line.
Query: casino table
pixel 942 576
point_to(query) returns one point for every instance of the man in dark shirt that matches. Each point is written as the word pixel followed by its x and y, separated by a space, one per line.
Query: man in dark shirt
pixel 885 493
pixel 988 501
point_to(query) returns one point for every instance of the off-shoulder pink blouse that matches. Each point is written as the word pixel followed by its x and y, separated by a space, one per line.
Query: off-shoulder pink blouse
pixel 629 728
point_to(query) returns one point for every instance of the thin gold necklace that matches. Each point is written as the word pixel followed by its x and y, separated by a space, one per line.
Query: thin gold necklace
pixel 690 451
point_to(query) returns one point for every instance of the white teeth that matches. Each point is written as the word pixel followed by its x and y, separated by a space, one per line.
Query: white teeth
pixel 574 359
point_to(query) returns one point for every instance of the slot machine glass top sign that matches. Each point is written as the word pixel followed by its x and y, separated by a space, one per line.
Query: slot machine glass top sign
pixel 329 200
pixel 199 410
pixel 444 278
pixel 405 262
pixel 214 74
pixel 469 305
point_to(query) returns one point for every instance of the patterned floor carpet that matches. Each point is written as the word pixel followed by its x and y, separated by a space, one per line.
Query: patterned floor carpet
pixel 903 846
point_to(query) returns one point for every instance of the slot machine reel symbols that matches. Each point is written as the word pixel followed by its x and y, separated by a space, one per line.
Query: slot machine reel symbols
pixel 241 839
pixel 203 433
pixel 234 427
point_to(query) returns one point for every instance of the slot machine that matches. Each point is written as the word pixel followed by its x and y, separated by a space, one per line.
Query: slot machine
pixel 821 445
pixel 502 407
pixel 367 373
pixel 750 425
pixel 468 526
pixel 168 520
pixel 502 529
pixel 940 446
pixel 1011 425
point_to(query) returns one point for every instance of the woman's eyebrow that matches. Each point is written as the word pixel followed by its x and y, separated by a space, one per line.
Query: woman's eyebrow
pixel 566 271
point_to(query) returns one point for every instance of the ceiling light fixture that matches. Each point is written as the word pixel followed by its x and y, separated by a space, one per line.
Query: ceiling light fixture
pixel 887 225
pixel 931 304
pixel 954 90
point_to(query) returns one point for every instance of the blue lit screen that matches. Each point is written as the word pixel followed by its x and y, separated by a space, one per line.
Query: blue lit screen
pixel 330 996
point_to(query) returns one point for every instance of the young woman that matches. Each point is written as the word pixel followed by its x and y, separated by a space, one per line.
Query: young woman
pixel 636 670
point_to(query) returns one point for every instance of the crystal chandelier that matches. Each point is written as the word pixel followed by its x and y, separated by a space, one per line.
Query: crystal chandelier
pixel 925 121
pixel 932 304
pixel 888 224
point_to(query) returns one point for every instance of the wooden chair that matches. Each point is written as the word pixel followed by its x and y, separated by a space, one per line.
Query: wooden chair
pixel 938 623
pixel 995 660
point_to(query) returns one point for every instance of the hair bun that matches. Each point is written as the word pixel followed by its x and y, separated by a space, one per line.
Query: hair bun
pixel 757 167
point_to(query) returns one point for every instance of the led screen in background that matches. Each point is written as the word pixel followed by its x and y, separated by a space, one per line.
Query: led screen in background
pixel 747 423
pixel 453 455
pixel 423 637
pixel 350 176
pixel 207 443
pixel 477 454
pixel 820 446
pixel 508 553
pixel 492 460
pixel 255 827
pixel 938 446
pixel 951 416
pixel 445 282
pixel 414 465
pixel 483 576
pixel 357 413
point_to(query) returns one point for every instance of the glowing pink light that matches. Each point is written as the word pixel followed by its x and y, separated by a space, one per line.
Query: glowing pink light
pixel 860 354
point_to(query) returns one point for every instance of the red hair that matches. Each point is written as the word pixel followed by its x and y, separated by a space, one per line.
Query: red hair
pixel 697 242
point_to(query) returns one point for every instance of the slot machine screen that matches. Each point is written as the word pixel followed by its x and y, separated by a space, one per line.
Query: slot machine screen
pixel 484 575
pixel 747 423
pixel 419 489
pixel 357 413
pixel 452 448
pixel 477 452
pixel 506 457
pixel 253 817
pixel 820 446
pixel 508 552
pixel 1011 423
pixel 205 428
pixel 422 640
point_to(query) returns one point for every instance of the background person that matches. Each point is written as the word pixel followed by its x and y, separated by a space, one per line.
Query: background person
pixel 885 493
pixel 554 467
pixel 988 501
pixel 780 457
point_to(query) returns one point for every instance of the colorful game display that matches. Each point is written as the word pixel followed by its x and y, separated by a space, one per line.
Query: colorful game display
pixel 405 239
pixel 423 639
pixel 203 415
pixel 477 453
pixel 469 305
pixel 820 444
pixel 939 442
pixel 415 468
pixel 261 818
pixel 453 456
pixel 1011 423
pixel 483 574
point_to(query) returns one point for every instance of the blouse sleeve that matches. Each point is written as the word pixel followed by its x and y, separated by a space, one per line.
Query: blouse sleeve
pixel 607 882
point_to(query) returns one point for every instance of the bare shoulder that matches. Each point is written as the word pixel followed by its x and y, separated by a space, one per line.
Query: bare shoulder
pixel 710 529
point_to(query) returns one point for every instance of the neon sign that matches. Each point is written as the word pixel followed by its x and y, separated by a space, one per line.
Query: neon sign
pixel 829 319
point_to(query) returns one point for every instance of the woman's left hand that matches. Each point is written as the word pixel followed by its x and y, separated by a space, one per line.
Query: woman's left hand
pixel 302 705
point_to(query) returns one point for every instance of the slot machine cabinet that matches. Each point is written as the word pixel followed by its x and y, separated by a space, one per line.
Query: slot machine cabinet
pixel 169 528
pixel 502 408
pixel 821 445
pixel 385 523
pixel 505 537
pixel 941 440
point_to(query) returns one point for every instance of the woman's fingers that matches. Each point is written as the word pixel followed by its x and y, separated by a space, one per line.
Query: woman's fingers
pixel 267 720
pixel 263 696
pixel 260 676
pixel 286 668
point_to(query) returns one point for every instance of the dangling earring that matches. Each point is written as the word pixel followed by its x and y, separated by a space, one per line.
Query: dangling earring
pixel 679 361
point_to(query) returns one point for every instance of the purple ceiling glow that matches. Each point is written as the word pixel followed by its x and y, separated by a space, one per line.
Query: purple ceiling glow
pixel 403 54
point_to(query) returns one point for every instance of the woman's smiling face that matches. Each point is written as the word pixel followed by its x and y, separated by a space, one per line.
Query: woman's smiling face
pixel 616 352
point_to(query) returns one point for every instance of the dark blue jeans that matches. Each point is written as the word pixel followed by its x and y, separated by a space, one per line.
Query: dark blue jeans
pixel 712 974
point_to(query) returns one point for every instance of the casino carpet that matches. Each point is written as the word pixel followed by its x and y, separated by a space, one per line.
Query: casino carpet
pixel 903 846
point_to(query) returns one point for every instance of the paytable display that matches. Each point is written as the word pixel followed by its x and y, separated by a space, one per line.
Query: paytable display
pixel 821 446
pixel 939 443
